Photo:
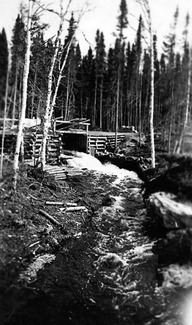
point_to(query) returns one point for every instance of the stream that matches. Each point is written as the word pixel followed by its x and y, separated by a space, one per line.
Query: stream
pixel 109 272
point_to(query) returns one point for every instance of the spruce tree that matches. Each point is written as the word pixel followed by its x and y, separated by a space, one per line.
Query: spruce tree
pixel 110 90
pixel 121 25
pixel 18 50
pixel 122 18
pixel 99 79
pixel 88 81
pixel 3 68
pixel 37 76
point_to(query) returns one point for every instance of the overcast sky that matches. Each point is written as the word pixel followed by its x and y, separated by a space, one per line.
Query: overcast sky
pixel 103 14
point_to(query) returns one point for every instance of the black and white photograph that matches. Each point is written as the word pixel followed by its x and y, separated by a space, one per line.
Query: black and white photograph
pixel 95 162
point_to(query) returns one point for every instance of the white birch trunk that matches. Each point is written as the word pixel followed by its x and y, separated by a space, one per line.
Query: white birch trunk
pixel 51 98
pixel 67 98
pixel 50 103
pixel 101 105
pixel 58 81
pixel 49 95
pixel 151 110
pixel 15 95
pixel 24 94
pixel 117 111
pixel 186 116
pixel 152 97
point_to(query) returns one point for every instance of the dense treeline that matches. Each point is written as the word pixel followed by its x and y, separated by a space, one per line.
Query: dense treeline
pixel 111 86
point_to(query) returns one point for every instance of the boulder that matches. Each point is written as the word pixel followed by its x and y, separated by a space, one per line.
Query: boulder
pixel 172 214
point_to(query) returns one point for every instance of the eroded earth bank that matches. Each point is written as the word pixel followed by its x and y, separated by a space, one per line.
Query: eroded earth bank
pixel 100 264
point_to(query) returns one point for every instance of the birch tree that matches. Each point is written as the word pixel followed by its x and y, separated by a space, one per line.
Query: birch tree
pixel 24 93
pixel 139 70
pixel 187 105
pixel 146 7
pixel 4 115
pixel 52 95
pixel 170 53
pixel 49 101
pixel 152 89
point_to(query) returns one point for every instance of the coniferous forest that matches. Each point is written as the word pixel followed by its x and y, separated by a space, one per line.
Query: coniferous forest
pixel 109 86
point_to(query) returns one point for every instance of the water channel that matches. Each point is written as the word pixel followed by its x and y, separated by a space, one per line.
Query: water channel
pixel 109 272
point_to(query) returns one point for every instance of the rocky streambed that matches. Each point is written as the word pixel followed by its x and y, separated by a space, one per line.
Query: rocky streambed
pixel 110 270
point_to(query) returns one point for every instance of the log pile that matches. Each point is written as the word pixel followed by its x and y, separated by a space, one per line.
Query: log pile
pixel 62 172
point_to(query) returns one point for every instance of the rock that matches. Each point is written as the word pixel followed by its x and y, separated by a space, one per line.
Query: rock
pixel 175 248
pixel 177 276
pixel 175 178
pixel 172 214
pixel 124 224
pixel 107 200
pixel 111 260
pixel 31 272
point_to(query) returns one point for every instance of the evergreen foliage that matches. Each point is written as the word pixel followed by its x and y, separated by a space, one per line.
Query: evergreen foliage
pixel 3 68
pixel 102 81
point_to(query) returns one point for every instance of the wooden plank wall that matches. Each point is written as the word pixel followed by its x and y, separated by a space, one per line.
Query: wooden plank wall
pixel 101 144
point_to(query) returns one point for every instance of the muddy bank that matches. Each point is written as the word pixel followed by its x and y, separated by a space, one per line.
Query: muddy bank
pixel 103 273
pixel 26 235
pixel 106 269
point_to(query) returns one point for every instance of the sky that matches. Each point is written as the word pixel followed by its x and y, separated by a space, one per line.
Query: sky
pixel 102 15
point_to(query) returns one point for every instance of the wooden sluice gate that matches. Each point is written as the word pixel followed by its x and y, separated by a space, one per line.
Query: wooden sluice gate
pixel 76 135
pixel 73 135
pixel 58 143
pixel 100 143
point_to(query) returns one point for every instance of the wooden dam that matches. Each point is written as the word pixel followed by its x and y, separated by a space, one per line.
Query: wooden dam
pixel 67 135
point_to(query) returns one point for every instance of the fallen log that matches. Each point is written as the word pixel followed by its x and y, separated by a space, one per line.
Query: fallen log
pixel 56 171
pixel 74 209
pixel 50 218
pixel 79 208
pixel 54 203
pixel 71 204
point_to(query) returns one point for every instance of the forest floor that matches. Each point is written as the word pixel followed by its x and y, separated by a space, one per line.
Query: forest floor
pixel 26 234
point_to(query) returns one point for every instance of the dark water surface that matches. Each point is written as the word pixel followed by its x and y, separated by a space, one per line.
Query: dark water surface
pixel 108 273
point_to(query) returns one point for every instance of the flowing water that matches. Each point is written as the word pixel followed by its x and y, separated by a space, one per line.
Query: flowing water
pixel 109 273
